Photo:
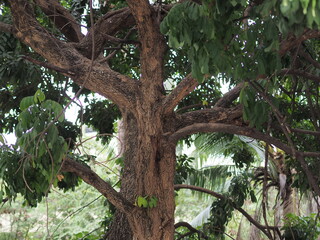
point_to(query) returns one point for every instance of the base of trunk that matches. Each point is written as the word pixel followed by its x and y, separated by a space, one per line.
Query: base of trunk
pixel 119 228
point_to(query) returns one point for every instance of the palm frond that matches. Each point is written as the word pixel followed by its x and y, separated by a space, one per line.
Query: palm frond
pixel 215 178
pixel 201 218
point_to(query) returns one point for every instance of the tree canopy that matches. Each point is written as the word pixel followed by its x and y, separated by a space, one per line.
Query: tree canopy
pixel 159 66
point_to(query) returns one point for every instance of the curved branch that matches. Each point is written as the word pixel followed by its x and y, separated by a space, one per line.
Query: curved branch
pixel 104 28
pixel 238 130
pixel 62 18
pixel 187 85
pixel 228 128
pixel 102 186
pixel 191 229
pixel 217 195
pixel 100 78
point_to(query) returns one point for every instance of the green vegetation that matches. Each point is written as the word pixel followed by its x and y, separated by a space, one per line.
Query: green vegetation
pixel 206 115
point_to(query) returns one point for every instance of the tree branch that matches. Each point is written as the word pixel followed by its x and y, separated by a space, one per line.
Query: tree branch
pixel 91 178
pixel 152 42
pixel 297 72
pixel 238 130
pixel 191 229
pixel 308 57
pixel 215 114
pixel 49 66
pixel 30 32
pixel 4 27
pixel 291 41
pixel 62 18
pixel 230 96
pixel 104 29
pixel 227 128
pixel 187 85
pixel 303 131
pixel 97 77
pixel 217 195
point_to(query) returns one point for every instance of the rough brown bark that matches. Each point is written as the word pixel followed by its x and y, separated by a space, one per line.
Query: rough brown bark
pixel 152 128
pixel 149 167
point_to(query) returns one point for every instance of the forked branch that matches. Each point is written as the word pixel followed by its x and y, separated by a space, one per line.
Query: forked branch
pixel 98 78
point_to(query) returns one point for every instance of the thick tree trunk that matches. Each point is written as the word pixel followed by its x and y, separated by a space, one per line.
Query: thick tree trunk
pixel 149 167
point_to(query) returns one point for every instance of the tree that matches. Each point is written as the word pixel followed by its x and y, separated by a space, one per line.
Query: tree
pixel 266 50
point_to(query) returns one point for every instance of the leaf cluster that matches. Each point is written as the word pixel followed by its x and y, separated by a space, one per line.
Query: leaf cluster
pixel 184 168
pixel 32 166
pixel 147 201
pixel 301 228
pixel 101 115
pixel 222 209
pixel 20 78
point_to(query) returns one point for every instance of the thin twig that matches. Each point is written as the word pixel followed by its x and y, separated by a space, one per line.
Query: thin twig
pixel 75 212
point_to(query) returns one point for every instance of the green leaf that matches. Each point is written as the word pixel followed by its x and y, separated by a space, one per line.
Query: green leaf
pixel 174 43
pixel 52 135
pixel 18 130
pixel 26 102
pixel 194 12
pixel 164 27
pixel 26 119
pixel 253 196
pixel 305 4
pixel 41 149
pixel 142 202
pixel 2 141
pixel 153 201
pixel 39 96
pixel 55 108
pixel 243 97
